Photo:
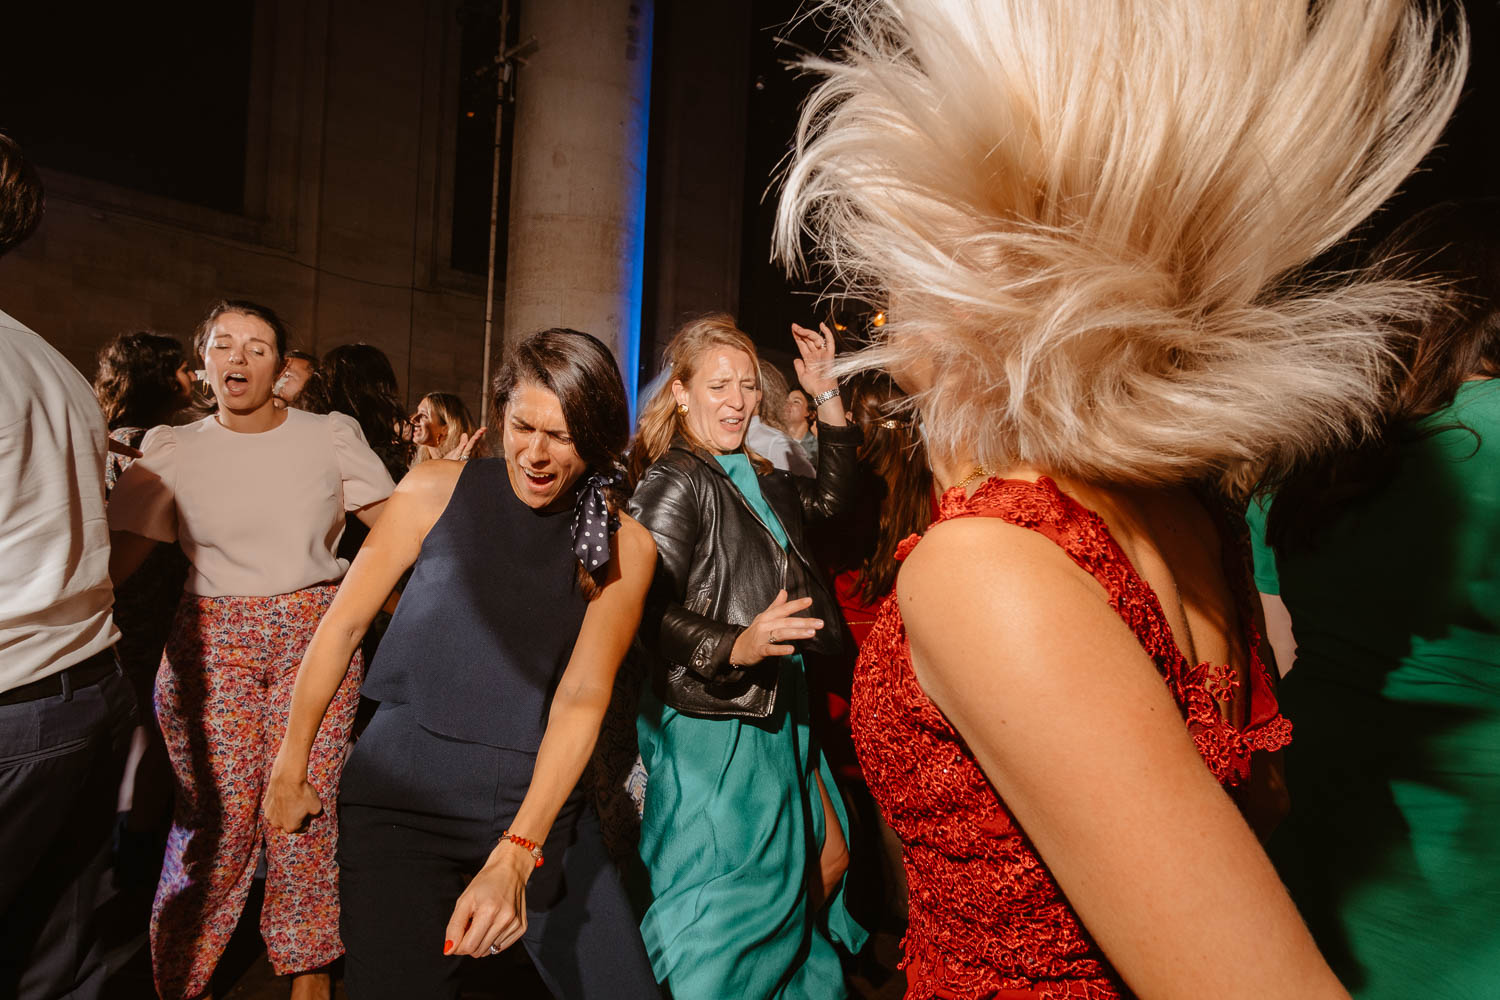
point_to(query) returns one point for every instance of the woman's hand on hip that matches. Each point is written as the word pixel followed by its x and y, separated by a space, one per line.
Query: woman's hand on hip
pixel 490 916
pixel 768 634
pixel 290 801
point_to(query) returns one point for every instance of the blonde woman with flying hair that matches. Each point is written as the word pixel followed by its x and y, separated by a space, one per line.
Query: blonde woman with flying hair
pixel 744 836
pixel 1091 221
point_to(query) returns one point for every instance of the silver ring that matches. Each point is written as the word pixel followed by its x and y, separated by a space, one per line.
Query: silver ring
pixel 774 640
pixel 494 950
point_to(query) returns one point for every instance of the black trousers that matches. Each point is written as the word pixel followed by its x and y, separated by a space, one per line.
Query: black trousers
pixel 418 815
pixel 60 765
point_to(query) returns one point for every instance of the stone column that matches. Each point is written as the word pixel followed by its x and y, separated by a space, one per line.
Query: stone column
pixel 578 175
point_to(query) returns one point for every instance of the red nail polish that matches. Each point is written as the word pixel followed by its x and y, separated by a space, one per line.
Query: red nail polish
pixel 447 947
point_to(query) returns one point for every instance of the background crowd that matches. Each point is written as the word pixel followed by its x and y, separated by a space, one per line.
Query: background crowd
pixel 1126 472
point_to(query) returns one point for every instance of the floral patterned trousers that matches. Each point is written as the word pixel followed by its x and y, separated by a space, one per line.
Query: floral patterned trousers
pixel 222 697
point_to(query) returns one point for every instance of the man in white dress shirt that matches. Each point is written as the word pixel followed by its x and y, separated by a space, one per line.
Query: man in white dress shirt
pixel 65 709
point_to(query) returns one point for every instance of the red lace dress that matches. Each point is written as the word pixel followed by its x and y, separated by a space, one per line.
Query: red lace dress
pixel 986 918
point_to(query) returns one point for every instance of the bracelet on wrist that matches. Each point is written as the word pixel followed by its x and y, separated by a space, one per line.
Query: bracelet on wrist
pixel 531 846
pixel 824 396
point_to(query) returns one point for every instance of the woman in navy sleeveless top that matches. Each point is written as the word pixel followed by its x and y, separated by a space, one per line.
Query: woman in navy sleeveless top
pixel 492 679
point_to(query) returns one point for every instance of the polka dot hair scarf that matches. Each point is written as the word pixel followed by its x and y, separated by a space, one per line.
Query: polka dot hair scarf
pixel 593 523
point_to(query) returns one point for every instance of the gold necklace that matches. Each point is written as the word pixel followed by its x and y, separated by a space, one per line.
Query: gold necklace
pixel 979 470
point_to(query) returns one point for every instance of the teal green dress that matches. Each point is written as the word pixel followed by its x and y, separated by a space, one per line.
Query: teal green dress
pixel 1392 847
pixel 730 838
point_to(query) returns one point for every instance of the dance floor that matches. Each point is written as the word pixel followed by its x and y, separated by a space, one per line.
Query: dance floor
pixel 244 973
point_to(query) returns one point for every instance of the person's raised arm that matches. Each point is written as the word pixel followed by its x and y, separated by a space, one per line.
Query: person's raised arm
pixel 492 910
pixel 832 491
pixel 1079 735
pixel 393 546
pixel 816 349
pixel 463 448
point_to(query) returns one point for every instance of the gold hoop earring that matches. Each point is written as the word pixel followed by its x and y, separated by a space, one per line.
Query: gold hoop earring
pixel 682 408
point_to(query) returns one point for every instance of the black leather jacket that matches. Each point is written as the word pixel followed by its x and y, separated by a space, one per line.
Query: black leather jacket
pixel 719 566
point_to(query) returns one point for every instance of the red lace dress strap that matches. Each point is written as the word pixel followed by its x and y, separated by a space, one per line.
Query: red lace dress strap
pixel 986 919
pixel 1206 692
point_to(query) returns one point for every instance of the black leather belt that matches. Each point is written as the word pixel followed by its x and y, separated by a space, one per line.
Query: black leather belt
pixel 65 682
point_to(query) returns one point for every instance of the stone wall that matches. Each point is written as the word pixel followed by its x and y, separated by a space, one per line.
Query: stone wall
pixel 349 199
pixel 350 179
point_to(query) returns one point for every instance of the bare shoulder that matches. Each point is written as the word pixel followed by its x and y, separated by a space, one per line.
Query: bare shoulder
pixel 985 584
pixel 631 567
pixel 634 539
pixel 423 494
pixel 635 550
pixel 985 558
pixel 433 479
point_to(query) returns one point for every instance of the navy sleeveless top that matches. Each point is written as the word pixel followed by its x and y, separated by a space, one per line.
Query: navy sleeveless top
pixel 488 620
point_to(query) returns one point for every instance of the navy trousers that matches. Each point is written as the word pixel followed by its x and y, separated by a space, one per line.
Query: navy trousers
pixel 418 815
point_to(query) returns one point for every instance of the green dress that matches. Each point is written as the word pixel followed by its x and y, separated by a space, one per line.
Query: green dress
pixel 1392 848
pixel 730 838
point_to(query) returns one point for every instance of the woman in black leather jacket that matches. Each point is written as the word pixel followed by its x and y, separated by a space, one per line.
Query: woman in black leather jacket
pixel 743 834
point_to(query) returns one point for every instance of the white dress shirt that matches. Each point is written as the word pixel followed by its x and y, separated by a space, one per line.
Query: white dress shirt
pixel 55 594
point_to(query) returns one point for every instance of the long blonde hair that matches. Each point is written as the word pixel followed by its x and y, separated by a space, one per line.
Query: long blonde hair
pixel 660 420
pixel 1089 218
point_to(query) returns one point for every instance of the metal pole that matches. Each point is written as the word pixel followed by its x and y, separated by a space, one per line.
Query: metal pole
pixel 501 68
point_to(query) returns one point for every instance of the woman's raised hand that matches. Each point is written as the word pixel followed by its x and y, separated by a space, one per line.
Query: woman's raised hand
pixel 465 446
pixel 290 801
pixel 768 634
pixel 817 350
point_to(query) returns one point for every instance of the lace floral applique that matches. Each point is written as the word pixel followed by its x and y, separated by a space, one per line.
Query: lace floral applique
pixel 904 547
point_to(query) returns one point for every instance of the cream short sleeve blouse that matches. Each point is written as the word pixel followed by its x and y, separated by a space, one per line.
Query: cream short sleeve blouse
pixel 256 514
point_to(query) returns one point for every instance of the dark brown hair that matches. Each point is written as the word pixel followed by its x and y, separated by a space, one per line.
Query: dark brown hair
pixel 362 384
pixel 581 372
pixel 244 307
pixel 895 498
pixel 314 396
pixel 136 381
pixel 1455 242
pixel 21 196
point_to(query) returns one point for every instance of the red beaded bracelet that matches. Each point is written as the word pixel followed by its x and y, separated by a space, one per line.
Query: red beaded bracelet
pixel 530 845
